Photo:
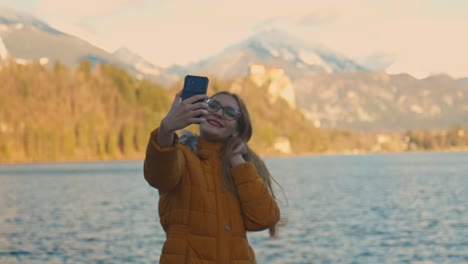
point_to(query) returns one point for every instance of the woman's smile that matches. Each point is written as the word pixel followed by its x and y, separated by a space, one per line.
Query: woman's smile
pixel 214 123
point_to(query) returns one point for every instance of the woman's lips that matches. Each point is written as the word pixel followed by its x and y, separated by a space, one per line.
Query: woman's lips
pixel 215 123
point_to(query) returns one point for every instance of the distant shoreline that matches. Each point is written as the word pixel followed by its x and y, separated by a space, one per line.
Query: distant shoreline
pixel 350 153
pixel 346 153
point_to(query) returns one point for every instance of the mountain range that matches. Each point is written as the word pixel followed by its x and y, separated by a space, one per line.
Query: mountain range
pixel 272 48
pixel 381 102
pixel 27 38
pixel 331 89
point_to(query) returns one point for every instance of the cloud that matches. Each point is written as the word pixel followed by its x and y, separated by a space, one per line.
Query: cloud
pixel 377 61
pixel 78 10
pixel 324 17
pixel 316 19
pixel 87 19
pixel 419 37
pixel 427 46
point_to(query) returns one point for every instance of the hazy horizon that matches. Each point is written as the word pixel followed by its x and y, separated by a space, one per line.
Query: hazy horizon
pixel 416 37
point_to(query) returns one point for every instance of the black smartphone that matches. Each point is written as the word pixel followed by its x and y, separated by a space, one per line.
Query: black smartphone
pixel 194 85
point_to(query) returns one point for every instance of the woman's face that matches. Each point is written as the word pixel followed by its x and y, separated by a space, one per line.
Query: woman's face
pixel 217 127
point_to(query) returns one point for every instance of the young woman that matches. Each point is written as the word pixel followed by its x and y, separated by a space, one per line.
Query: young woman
pixel 212 188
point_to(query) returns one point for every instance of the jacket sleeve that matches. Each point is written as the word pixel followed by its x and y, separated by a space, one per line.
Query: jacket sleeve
pixel 260 210
pixel 163 165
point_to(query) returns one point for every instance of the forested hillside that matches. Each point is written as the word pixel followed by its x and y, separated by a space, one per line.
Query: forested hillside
pixel 103 113
pixel 60 114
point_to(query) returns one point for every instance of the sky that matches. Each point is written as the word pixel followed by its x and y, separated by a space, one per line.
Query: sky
pixel 419 37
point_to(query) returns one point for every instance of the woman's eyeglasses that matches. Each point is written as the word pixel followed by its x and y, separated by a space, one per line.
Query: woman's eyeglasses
pixel 228 112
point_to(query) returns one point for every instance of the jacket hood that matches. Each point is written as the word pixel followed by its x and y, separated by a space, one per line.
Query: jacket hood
pixel 200 147
pixel 190 140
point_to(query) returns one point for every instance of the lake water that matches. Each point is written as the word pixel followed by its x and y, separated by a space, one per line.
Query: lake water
pixel 387 208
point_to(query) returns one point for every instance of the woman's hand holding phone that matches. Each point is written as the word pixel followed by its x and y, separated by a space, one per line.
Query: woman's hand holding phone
pixel 182 114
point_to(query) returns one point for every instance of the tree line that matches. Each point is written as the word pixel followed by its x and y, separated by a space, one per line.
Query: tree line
pixel 101 112
pixel 82 114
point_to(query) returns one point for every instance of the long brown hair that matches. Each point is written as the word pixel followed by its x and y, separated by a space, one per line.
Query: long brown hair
pixel 244 129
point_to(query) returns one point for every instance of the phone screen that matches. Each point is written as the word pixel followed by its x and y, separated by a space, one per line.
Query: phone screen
pixel 194 85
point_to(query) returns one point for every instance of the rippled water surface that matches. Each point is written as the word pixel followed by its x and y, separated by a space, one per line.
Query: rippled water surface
pixel 395 208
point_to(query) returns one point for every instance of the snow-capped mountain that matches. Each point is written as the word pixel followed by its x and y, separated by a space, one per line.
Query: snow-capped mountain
pixel 26 38
pixel 377 61
pixel 10 17
pixel 273 48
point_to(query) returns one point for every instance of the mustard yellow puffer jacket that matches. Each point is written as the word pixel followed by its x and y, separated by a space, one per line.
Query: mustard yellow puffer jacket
pixel 203 221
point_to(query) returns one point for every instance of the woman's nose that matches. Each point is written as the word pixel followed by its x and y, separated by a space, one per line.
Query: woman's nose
pixel 219 113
